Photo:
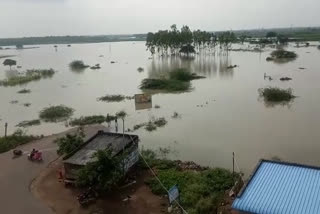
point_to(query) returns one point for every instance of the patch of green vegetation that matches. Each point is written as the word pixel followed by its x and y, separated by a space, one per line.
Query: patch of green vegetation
pixel 24 91
pixel 160 122
pixel 178 80
pixel 165 84
pixel 16 139
pixel 155 123
pixel 56 113
pixel 26 104
pixel 95 119
pixel 27 123
pixel 70 142
pixel 112 98
pixel 140 69
pixel 150 126
pixel 44 73
pixel 157 106
pixel 273 94
pixel 138 126
pixel 200 191
pixel 30 75
pixel 78 65
pixel 283 54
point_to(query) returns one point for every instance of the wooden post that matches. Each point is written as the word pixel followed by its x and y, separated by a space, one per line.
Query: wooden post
pixel 232 163
pixel 5 129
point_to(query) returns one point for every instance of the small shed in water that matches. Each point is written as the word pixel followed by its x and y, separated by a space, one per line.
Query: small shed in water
pixel 280 188
pixel 117 143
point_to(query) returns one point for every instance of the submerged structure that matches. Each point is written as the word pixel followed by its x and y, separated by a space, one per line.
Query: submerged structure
pixel 117 143
pixel 280 188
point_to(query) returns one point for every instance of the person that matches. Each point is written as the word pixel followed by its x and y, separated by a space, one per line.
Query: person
pixel 32 153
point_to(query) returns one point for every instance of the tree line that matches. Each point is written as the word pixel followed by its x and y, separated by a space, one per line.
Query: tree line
pixel 185 41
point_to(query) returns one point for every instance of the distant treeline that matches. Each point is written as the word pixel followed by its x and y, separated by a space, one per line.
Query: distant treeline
pixel 70 39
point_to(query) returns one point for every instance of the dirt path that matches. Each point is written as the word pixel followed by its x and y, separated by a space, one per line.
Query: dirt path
pixel 17 174
pixel 62 200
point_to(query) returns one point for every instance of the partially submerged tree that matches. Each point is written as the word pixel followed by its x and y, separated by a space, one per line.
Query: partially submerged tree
pixel 103 173
pixel 9 62
pixel 78 65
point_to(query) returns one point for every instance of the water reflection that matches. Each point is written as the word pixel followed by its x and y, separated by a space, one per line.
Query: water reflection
pixel 204 65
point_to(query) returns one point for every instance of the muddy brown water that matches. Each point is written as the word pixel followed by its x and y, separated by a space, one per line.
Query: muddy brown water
pixel 221 115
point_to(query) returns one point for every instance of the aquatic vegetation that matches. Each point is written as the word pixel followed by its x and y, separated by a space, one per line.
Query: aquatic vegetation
pixel 283 54
pixel 114 98
pixel 140 69
pixel 44 73
pixel 14 101
pixel 24 91
pixel 138 126
pixel 27 123
pixel 273 94
pixel 95 119
pixel 14 140
pixel 56 113
pixel 178 80
pixel 96 66
pixel 78 65
pixel 285 78
pixel 182 74
pixel 157 106
pixel 150 126
pixel 160 122
pixel 164 84
pixel 30 75
pixel 26 104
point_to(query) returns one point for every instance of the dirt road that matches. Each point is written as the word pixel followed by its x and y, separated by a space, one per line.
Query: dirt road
pixel 17 174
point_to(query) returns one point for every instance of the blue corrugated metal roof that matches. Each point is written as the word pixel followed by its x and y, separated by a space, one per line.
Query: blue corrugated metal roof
pixel 281 188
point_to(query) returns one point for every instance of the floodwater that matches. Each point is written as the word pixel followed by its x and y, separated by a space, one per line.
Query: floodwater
pixel 222 114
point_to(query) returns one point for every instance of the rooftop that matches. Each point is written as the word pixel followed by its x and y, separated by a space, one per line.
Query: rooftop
pixel 101 141
pixel 281 188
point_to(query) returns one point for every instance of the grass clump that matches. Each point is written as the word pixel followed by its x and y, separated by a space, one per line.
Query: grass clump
pixel 14 140
pixel 30 75
pixel 160 122
pixel 153 124
pixel 178 80
pixel 78 65
pixel 140 69
pixel 95 119
pixel 157 106
pixel 273 94
pixel 200 191
pixel 112 98
pixel 24 91
pixel 283 54
pixel 165 84
pixel 150 126
pixel 56 113
pixel 28 123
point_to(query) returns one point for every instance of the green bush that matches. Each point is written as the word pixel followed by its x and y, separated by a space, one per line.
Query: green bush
pixel 273 94
pixel 182 74
pixel 70 142
pixel 56 113
pixel 112 98
pixel 14 140
pixel 164 84
pixel 78 65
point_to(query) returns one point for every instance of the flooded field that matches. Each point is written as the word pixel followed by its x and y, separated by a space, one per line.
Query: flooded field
pixel 222 114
